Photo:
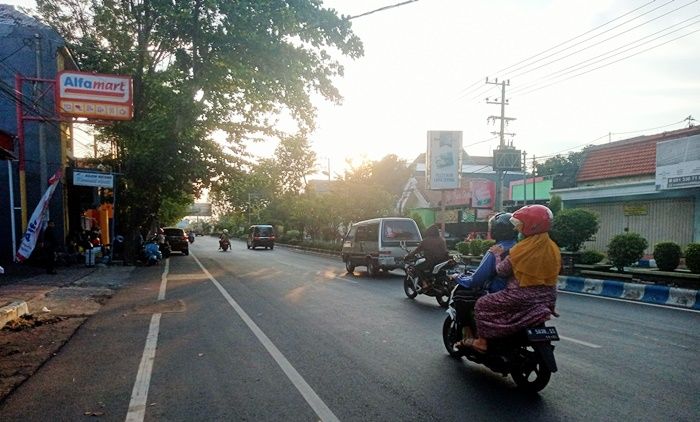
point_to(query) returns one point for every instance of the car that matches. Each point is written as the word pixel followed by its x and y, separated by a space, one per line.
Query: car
pixel 379 244
pixel 178 239
pixel 261 235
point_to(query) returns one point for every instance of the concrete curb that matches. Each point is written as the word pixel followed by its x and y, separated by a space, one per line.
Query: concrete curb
pixel 649 293
pixel 12 311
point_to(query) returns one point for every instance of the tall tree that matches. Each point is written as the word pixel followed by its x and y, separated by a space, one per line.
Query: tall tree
pixel 563 169
pixel 202 67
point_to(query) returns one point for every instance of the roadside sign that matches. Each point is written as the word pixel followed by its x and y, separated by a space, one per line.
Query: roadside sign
pixel 93 95
pixel 95 179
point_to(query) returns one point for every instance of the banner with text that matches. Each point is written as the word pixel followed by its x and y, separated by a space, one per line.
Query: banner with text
pixel 443 159
pixel 36 223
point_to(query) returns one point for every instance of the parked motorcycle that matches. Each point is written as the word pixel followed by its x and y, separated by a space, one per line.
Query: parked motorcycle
pixel 224 244
pixel 437 279
pixel 150 253
pixel 528 356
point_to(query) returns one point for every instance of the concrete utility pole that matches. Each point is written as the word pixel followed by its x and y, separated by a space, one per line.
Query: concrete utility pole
pixel 43 165
pixel 502 144
pixel 525 178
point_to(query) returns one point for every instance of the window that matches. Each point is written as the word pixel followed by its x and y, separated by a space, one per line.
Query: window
pixel 400 230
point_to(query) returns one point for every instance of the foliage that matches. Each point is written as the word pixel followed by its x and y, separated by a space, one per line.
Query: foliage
pixel 290 235
pixel 626 249
pixel 572 227
pixel 667 255
pixel 692 257
pixel 563 169
pixel 200 69
pixel 590 257
pixel 476 247
pixel 555 204
pixel 463 248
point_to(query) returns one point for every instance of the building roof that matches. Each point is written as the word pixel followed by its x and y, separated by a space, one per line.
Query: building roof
pixel 626 158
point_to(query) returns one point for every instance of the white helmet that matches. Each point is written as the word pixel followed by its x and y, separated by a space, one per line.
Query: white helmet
pixel 225 230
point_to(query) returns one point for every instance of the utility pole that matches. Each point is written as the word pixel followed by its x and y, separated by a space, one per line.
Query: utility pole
pixel 502 144
pixel 43 165
pixel 534 167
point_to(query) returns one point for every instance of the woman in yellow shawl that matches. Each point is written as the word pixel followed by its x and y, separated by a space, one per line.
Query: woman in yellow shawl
pixel 532 267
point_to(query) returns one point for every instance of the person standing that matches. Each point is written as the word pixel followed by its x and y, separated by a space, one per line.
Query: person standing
pixel 49 246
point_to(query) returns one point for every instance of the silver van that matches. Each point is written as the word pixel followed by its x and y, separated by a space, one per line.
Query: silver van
pixel 376 244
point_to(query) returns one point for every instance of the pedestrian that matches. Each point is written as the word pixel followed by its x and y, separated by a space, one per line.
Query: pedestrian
pixel 49 246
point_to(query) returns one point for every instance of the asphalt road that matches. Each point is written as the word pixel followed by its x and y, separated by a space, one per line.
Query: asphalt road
pixel 281 335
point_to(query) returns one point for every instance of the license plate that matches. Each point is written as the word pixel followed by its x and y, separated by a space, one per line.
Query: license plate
pixel 542 334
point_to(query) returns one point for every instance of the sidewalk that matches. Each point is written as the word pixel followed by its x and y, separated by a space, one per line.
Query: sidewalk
pixel 44 311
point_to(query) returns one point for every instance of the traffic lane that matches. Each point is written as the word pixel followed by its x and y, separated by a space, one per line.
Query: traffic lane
pixel 480 385
pixel 643 349
pixel 209 365
pixel 385 352
pixel 93 373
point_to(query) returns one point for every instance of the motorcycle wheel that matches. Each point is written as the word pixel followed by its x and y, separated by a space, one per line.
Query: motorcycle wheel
pixel 533 375
pixel 450 336
pixel 408 287
pixel 443 298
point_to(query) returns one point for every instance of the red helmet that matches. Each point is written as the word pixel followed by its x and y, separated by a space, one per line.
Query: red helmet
pixel 533 219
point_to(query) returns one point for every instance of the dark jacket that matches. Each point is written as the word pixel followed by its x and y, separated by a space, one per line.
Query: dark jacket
pixel 433 248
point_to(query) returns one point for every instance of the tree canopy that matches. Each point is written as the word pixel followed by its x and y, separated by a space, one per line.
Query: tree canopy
pixel 200 68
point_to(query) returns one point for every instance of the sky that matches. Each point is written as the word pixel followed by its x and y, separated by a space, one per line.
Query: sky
pixel 425 64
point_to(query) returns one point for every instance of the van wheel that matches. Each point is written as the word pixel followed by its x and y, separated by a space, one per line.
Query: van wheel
pixel 349 267
pixel 272 247
pixel 372 268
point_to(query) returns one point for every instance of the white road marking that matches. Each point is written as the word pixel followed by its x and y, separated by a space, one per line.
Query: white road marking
pixel 581 342
pixel 323 412
pixel 139 395
pixel 632 301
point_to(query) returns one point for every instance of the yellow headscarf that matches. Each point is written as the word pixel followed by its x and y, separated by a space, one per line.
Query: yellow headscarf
pixel 536 261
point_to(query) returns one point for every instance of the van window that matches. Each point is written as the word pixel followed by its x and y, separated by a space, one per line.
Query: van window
pixel 373 232
pixel 263 231
pixel 362 233
pixel 400 230
pixel 351 234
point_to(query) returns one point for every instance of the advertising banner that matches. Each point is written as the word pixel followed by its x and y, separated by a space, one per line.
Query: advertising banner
pixel 91 178
pixel 93 95
pixel 483 193
pixel 443 160
pixel 36 223
pixel 678 163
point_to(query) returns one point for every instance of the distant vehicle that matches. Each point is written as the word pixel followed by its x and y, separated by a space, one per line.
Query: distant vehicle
pixel 261 235
pixel 178 239
pixel 377 244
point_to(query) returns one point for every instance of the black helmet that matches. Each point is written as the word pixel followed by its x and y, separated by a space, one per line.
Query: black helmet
pixel 501 228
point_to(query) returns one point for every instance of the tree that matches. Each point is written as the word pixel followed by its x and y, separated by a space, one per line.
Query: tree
pixel 200 68
pixel 626 249
pixel 572 227
pixel 294 161
pixel 563 169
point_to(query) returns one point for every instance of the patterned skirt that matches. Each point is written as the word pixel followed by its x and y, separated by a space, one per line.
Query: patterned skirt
pixel 513 309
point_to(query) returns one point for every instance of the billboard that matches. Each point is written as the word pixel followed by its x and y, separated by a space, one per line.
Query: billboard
pixel 93 95
pixel 483 193
pixel 678 163
pixel 92 178
pixel 443 160
pixel 202 209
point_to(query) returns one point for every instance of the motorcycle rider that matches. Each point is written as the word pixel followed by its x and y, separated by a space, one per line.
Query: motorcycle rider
pixel 434 249
pixel 223 238
pixel 532 268
pixel 470 287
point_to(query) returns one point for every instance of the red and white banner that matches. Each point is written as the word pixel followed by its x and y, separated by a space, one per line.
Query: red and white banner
pixel 36 223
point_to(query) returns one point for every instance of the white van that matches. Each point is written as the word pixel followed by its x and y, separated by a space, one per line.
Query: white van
pixel 376 244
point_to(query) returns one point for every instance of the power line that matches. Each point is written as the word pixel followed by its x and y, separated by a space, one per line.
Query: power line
pixel 605 40
pixel 382 9
pixel 591 61
pixel 562 43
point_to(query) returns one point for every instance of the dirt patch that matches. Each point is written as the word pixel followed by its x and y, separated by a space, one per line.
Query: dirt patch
pixel 28 343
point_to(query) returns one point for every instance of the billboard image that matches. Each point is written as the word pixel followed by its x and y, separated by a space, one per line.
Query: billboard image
pixel 443 160
pixel 93 95
pixel 678 163
pixel 483 193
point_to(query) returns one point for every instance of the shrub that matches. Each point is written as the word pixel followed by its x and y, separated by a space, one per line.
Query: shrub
pixel 591 257
pixel 692 257
pixel 626 249
pixel 475 247
pixel 291 235
pixel 572 227
pixel 667 255
pixel 463 248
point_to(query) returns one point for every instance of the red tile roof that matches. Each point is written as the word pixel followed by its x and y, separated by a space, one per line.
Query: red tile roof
pixel 626 158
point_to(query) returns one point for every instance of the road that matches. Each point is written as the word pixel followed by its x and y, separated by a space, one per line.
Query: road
pixel 280 335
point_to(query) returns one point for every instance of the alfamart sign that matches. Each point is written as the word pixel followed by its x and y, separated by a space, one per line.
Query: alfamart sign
pixel 94 95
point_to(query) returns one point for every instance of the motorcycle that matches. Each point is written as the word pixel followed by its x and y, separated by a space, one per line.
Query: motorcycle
pixel 528 355
pixel 438 281
pixel 151 253
pixel 224 244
